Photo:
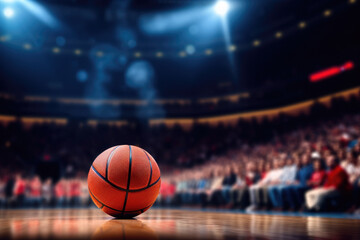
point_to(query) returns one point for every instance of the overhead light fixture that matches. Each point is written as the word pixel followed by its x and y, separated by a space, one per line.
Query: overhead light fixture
pixel 256 43
pixel 8 12
pixel 56 50
pixel 159 54
pixel 278 34
pixel 221 8
pixel 232 48
pixel 208 51
pixel 302 24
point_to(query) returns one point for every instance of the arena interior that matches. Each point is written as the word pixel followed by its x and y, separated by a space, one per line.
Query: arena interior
pixel 250 108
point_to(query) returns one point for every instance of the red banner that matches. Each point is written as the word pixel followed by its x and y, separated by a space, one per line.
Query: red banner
pixel 329 72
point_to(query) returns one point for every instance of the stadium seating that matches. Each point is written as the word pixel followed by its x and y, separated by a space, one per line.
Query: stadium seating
pixel 257 165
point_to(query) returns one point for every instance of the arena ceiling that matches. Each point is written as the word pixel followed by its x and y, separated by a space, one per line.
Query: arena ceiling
pixel 170 48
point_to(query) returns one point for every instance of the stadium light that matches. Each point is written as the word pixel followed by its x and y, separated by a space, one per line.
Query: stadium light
pixel 4 38
pixel 159 54
pixel 256 43
pixel 56 50
pixel 8 12
pixel 77 52
pixel 278 34
pixel 208 51
pixel 27 46
pixel 221 8
pixel 137 54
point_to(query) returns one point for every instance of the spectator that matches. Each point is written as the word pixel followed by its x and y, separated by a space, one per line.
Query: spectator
pixel 337 182
pixel 319 175
pixel 239 191
pixel 19 191
pixel 85 197
pixel 35 192
pixel 252 176
pixel 67 192
pixel 9 191
pixel 348 163
pixel 75 192
pixel 294 193
pixel 258 192
pixel 204 186
pixel 47 192
pixel 276 192
pixel 215 196
pixel 180 190
pixel 355 181
pixel 228 181
pixel 2 193
pixel 60 193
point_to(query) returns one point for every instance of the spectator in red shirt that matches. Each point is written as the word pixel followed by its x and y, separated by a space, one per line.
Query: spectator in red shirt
pixel 75 192
pixel 35 191
pixel 167 191
pixel 318 177
pixel 60 193
pixel 337 182
pixel 19 190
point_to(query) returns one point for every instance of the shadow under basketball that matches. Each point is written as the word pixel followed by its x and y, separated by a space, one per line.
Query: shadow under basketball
pixel 124 229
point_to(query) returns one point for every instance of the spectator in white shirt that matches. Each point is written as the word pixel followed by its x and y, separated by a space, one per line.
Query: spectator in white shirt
pixel 258 192
pixel 348 164
pixel 288 176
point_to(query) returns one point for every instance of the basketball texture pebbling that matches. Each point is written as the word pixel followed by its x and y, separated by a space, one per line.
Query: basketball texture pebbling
pixel 124 181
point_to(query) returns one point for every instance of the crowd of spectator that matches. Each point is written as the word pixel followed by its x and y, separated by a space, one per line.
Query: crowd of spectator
pixel 21 191
pixel 312 169
pixel 305 162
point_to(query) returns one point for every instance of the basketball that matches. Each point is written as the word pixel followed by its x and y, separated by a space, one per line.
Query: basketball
pixel 124 181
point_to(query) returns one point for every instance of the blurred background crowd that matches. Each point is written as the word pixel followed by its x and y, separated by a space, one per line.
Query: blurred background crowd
pixel 309 162
pixel 29 191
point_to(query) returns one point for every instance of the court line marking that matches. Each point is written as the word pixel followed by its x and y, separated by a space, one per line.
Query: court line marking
pixel 120 188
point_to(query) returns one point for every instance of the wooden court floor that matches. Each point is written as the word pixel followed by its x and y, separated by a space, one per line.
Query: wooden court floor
pixel 170 224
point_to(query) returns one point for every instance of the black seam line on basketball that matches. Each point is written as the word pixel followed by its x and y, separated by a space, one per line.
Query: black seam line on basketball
pixel 150 168
pixel 129 177
pixel 124 189
pixel 103 205
pixel 108 161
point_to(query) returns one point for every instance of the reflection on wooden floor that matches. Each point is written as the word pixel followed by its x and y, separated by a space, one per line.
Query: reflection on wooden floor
pixel 170 224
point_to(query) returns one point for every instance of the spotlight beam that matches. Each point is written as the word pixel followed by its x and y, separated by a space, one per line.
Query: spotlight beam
pixel 221 8
pixel 41 13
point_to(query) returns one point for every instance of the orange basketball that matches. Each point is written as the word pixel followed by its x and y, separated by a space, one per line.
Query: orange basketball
pixel 124 181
